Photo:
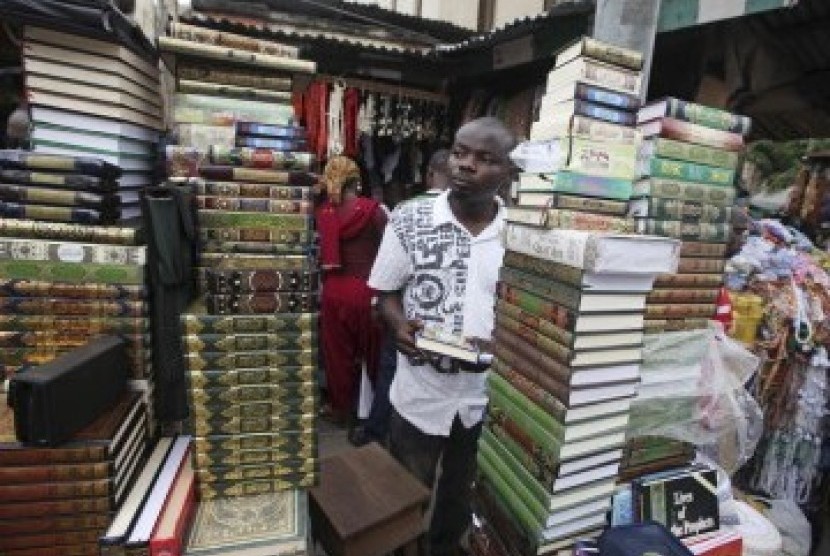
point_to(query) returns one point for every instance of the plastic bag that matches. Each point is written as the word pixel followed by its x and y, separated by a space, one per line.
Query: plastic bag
pixel 795 529
pixel 693 390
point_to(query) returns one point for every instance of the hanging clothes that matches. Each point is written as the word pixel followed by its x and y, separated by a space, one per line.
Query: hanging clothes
pixel 351 134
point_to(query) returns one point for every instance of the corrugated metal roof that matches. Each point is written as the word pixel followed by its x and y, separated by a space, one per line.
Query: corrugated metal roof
pixel 295 32
pixel 521 26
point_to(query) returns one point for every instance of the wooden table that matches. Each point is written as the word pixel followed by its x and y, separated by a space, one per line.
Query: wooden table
pixel 367 504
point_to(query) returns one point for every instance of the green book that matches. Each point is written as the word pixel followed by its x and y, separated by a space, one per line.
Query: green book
pixel 53 271
pixel 661 188
pixel 241 377
pixel 577 184
pixel 675 209
pixel 544 441
pixel 690 152
pixel 221 219
pixel 497 452
pixel 688 171
pixel 701 231
pixel 506 492
pixel 500 387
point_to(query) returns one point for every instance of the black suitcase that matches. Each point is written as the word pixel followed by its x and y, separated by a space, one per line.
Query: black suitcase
pixel 54 401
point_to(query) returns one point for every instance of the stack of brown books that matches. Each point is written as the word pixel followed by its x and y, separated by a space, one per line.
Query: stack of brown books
pixel 60 500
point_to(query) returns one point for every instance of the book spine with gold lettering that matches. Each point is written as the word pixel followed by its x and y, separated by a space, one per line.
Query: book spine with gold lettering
pixel 588 204
pixel 198 323
pixel 204 35
pixel 288 222
pixel 254 281
pixel 222 261
pixel 652 326
pixel 59 338
pixel 31 288
pixel 253 488
pixel 54 507
pixel 34 229
pixel 54 523
pixel 695 231
pixel 700 266
pixel 682 295
pixel 207 360
pixel 242 377
pixel 296 451
pixel 247 425
pixel 261 303
pixel 276 471
pixel 59 197
pixel 69 182
pixel 10 475
pixel 74 325
pixel 235 77
pixel 248 342
pixel 72 307
pixel 680 311
pixel 254 205
pixel 253 248
pixel 678 281
pixel 281 442
pixel 676 209
pixel 58 214
pixel 71 252
pixel 54 491
pixel 288 396
pixel 64 540
pixel 256 235
pixel 253 190
pixel 73 273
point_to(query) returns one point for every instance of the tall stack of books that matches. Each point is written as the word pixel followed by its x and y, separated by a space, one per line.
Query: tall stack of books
pixel 688 164
pixel 251 341
pixel 61 500
pixel 62 283
pixel 568 345
pixel 92 98
pixel 579 166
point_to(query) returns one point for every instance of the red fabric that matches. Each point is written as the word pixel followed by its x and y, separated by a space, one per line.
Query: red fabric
pixel 298 104
pixel 337 223
pixel 351 106
pixel 350 336
pixel 315 107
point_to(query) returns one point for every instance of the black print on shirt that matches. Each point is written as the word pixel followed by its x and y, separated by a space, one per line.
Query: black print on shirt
pixel 439 256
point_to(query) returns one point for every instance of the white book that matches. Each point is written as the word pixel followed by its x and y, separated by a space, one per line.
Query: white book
pixel 595 376
pixel 595 491
pixel 83 44
pixel 577 512
pixel 573 527
pixel 93 93
pixel 132 457
pixel 596 252
pixel 581 464
pixel 62 119
pixel 631 338
pixel 95 141
pixel 120 527
pixel 594 72
pixel 607 471
pixel 588 446
pixel 46 68
pixel 595 427
pixel 597 394
pixel 146 522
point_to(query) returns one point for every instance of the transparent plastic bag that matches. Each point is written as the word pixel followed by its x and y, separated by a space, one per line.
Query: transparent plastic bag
pixel 693 391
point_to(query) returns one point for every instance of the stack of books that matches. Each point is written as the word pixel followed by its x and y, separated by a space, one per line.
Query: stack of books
pixel 61 500
pixel 582 157
pixel 688 164
pixel 568 344
pixel 62 283
pixel 251 341
pixel 92 98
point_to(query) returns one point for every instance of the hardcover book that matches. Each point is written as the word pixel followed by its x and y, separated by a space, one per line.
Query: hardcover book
pixel 265 235
pixel 252 205
pixel 261 303
pixel 687 171
pixel 287 222
pixel 71 252
pixel 564 111
pixel 29 194
pixel 45 117
pixel 591 93
pixel 551 218
pixel 241 377
pixel 578 278
pixel 675 209
pixel 686 503
pixel 197 321
pixel 126 235
pixel 696 231
pixel 203 109
pixel 233 55
pixel 250 281
pixel 605 52
pixel 545 185
pixel 596 252
pixel 584 127
pixel 261 525
pixel 66 182
pixel 572 202
pixel 661 188
pixel 679 130
pixel 252 190
pixel 237 77
pixel 689 152
pixel 231 40
pixel 231 91
pixel 596 73
pixel 695 113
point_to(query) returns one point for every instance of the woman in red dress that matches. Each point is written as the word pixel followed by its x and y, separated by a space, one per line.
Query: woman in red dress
pixel 350 229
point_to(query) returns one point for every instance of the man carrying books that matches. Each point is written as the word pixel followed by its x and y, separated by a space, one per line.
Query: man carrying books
pixel 437 269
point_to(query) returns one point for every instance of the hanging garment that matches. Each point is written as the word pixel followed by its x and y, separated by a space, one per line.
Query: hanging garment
pixel 351 135
pixel 334 145
pixel 171 235
pixel 315 109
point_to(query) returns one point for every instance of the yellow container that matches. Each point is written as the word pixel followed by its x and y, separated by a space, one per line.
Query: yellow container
pixel 748 305
pixel 745 327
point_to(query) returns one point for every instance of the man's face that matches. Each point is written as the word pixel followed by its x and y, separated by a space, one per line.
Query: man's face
pixel 478 164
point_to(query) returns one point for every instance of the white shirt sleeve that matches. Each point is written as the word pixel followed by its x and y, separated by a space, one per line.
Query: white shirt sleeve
pixel 392 267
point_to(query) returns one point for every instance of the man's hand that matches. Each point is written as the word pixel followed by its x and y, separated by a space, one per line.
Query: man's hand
pixel 405 338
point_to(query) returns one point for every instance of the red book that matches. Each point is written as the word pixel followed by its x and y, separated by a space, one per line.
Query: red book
pixel 721 543
pixel 169 537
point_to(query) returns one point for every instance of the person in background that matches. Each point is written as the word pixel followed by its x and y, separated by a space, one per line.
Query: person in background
pixel 438 173
pixel 438 265
pixel 350 229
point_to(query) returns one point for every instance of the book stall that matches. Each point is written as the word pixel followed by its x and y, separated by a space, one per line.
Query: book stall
pixel 652 386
